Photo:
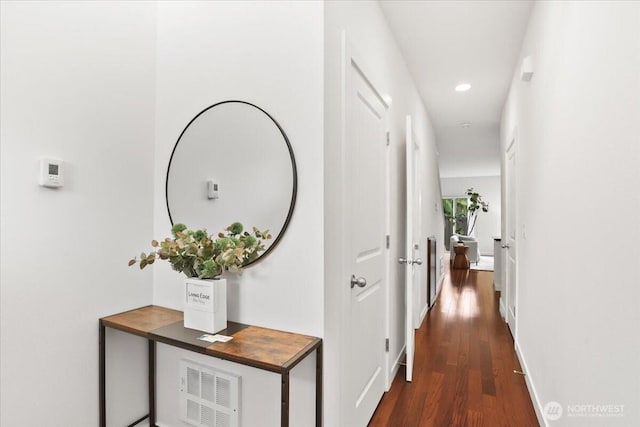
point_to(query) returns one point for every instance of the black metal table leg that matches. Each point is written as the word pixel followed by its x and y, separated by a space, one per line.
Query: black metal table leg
pixel 284 413
pixel 152 383
pixel 101 376
pixel 319 385
pixel 138 421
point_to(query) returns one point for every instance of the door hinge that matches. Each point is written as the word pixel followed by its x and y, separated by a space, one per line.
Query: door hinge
pixel 388 241
pixel 388 139
pixel 386 345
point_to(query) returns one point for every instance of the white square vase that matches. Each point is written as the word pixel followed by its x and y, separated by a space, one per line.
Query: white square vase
pixel 205 304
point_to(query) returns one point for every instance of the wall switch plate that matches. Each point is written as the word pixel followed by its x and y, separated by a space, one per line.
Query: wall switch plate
pixel 212 190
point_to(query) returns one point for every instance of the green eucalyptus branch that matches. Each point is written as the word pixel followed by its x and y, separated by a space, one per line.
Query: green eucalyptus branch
pixel 197 254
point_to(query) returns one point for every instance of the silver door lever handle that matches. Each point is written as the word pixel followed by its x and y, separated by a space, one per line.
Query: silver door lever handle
pixel 505 246
pixel 361 282
pixel 409 261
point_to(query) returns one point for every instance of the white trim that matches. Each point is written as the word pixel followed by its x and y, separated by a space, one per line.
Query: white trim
pixel 410 269
pixel 440 282
pixel 537 406
pixel 343 264
pixel 438 290
pixel 503 311
pixel 388 376
pixel 514 135
pixel 396 363
pixel 423 314
pixel 512 149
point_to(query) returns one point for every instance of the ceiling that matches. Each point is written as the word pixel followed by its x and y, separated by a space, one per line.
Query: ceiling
pixel 450 42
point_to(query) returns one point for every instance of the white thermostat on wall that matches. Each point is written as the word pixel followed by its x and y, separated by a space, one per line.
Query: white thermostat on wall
pixel 51 173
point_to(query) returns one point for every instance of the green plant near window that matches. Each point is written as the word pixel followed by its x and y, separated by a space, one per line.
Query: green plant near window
pixel 475 205
pixel 197 254
pixel 447 207
pixel 455 215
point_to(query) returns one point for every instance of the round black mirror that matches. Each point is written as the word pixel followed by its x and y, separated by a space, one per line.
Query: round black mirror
pixel 232 162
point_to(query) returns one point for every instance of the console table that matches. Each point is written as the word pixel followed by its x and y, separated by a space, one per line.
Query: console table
pixel 261 348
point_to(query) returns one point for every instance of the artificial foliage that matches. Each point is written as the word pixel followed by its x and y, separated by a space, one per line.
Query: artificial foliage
pixel 198 254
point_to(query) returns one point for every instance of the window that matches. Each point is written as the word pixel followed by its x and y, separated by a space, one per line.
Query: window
pixel 455 217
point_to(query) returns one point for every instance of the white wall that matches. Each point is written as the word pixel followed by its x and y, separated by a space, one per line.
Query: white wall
pixel 269 54
pixel 77 83
pixel 214 51
pixel 488 223
pixel 113 84
pixel 366 29
pixel 578 122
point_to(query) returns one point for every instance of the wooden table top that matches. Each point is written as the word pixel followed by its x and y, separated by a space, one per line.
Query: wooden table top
pixel 271 349
pixel 263 348
pixel 143 320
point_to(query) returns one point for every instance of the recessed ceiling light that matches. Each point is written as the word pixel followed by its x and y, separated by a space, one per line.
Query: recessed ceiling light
pixel 463 87
pixel 465 124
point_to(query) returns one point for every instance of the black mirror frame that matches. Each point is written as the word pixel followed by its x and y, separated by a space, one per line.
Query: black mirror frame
pixel 294 170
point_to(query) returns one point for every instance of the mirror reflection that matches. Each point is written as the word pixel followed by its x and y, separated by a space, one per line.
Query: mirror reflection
pixel 233 162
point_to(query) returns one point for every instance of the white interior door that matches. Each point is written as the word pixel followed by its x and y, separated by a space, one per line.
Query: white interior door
pixel 511 240
pixel 411 259
pixel 420 306
pixel 365 321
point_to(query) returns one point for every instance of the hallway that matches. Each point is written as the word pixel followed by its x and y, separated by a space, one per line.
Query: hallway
pixel 464 363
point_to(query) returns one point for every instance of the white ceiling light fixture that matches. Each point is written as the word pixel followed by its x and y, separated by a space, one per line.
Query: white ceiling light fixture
pixel 465 124
pixel 463 87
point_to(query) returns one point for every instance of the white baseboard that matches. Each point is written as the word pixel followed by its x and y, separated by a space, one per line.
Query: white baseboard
pixel 396 364
pixel 537 406
pixel 423 314
pixel 438 290
pixel 503 310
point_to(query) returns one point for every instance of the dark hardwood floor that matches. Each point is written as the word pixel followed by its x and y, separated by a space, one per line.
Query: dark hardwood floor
pixel 464 362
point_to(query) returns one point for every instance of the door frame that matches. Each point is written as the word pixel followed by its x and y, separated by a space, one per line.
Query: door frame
pixel 419 312
pixel 350 54
pixel 411 147
pixel 512 147
pixel 388 379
